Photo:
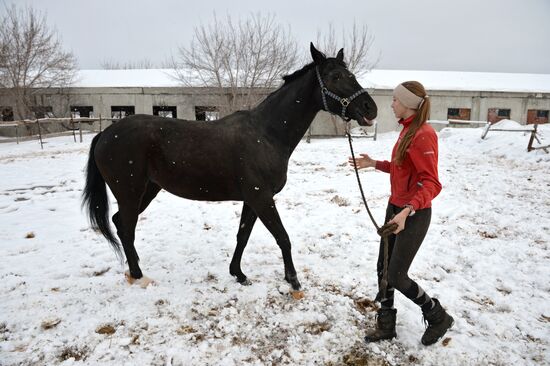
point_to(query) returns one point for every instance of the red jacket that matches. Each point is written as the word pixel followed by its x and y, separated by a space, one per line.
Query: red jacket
pixel 415 181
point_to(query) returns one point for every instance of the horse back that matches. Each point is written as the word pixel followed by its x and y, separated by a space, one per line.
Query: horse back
pixel 195 160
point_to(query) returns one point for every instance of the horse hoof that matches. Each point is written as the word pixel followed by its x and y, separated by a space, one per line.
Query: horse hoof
pixel 297 295
pixel 246 282
pixel 143 282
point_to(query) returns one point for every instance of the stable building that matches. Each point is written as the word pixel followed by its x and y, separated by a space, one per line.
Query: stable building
pixel 474 96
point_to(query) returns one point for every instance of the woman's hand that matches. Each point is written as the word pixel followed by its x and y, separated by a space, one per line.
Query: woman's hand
pixel 364 161
pixel 400 219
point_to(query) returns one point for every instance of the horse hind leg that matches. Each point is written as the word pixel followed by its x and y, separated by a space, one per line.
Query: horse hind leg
pixel 126 220
pixel 151 192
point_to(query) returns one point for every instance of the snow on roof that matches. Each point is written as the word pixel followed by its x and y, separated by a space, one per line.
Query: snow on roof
pixel 126 78
pixel 459 80
pixel 377 79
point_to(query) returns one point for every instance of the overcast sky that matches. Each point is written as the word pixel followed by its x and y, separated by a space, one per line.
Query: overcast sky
pixel 465 35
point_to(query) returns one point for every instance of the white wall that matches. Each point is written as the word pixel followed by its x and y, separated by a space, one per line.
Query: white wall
pixel 185 99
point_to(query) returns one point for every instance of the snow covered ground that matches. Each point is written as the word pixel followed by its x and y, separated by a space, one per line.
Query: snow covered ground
pixel 64 300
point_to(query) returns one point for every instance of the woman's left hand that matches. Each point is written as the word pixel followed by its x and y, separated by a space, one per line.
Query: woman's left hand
pixel 400 219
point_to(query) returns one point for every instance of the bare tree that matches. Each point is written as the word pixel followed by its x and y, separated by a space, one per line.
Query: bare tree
pixel 357 43
pixel 128 65
pixel 32 59
pixel 239 58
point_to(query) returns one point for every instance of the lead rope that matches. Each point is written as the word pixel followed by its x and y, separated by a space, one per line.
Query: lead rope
pixel 383 231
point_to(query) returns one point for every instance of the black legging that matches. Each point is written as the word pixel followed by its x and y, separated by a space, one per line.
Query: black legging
pixel 402 250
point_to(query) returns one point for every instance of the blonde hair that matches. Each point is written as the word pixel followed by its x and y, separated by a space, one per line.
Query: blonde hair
pixel 422 115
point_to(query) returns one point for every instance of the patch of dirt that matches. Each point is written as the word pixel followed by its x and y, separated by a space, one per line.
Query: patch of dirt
pixel 340 201
pixel 4 332
pixel 484 301
pixel 74 352
pixel 317 328
pixel 365 305
pixel 101 272
pixel 106 329
pixel 357 356
pixel 50 323
pixel 487 235
pixel 185 329
pixel 505 291
pixel 413 359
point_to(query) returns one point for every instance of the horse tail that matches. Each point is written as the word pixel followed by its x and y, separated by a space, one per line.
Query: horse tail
pixel 95 199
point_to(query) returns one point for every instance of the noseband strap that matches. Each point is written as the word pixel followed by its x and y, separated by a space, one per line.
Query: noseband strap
pixel 343 101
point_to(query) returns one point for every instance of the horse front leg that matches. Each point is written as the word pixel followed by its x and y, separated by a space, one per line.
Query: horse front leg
pixel 248 219
pixel 268 214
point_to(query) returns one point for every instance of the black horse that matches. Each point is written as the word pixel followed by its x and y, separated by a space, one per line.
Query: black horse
pixel 241 157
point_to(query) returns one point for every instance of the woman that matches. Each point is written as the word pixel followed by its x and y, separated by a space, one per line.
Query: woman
pixel 414 183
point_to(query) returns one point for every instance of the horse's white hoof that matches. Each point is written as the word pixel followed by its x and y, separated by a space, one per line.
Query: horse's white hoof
pixel 297 295
pixel 143 282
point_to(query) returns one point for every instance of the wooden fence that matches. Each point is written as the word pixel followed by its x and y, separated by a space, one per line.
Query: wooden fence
pixel 74 126
pixel 488 126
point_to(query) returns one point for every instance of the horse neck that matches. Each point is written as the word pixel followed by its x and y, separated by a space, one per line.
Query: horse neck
pixel 288 112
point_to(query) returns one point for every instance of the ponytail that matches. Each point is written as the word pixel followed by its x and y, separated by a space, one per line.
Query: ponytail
pixel 422 115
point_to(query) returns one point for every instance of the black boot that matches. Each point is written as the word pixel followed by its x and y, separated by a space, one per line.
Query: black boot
pixel 385 326
pixel 438 323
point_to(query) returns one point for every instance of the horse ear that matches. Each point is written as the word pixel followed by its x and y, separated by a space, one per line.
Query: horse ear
pixel 317 56
pixel 340 55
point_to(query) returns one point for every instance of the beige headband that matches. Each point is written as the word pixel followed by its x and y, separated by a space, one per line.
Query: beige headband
pixel 407 97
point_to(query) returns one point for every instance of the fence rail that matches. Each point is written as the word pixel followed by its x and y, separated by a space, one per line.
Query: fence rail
pixel 488 126
pixel 75 124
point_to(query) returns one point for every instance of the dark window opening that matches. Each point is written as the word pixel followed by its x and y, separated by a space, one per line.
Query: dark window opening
pixel 203 113
pixel 497 114
pixel 165 111
pixel 82 112
pixel 6 114
pixel 537 116
pixel 504 113
pixel 122 111
pixel 542 114
pixel 42 111
pixel 453 112
pixel 462 114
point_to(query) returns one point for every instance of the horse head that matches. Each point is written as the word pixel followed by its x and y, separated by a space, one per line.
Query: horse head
pixel 341 93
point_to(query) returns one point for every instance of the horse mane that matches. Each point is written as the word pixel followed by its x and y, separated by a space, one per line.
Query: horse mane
pixel 296 74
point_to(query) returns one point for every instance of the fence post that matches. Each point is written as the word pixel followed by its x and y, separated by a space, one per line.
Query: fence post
pixel 40 134
pixel 100 122
pixel 80 129
pixel 531 138
pixel 72 127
